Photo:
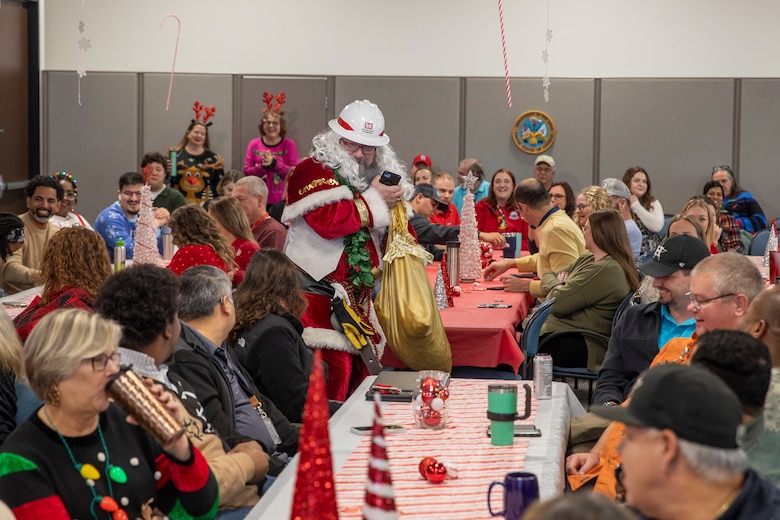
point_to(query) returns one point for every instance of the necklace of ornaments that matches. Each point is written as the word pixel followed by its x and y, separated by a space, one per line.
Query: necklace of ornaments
pixel 90 474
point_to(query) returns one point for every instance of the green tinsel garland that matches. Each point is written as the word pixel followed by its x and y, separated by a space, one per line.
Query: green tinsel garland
pixel 358 256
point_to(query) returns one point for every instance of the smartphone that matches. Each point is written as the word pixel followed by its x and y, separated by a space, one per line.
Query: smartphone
pixel 389 178
pixel 495 288
pixel 388 428
pixel 494 306
pixel 522 430
pixel 524 275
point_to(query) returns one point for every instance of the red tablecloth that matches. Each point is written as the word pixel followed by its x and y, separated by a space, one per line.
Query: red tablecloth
pixel 479 337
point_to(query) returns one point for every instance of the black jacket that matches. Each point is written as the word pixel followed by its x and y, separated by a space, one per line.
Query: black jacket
pixel 632 346
pixel 279 362
pixel 192 362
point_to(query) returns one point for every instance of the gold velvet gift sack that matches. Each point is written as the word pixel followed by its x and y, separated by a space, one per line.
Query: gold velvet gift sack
pixel 406 306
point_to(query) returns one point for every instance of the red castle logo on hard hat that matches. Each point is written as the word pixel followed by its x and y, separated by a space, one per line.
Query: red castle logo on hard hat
pixel 368 125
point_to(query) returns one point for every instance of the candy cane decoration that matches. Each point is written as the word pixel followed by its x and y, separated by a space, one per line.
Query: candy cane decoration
pixel 175 52
pixel 503 46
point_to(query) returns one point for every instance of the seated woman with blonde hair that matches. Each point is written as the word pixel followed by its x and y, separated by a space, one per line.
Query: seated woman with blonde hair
pixel 588 292
pixel 74 266
pixel 588 200
pixel 79 456
pixel 199 241
pixel 231 221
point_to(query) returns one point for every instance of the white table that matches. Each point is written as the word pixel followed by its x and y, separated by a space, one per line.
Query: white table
pixel 16 300
pixel 544 456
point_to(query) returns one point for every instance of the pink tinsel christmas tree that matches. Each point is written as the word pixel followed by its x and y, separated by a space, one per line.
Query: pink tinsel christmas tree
pixel 145 251
pixel 470 253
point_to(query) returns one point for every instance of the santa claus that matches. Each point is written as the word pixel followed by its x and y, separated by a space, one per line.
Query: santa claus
pixel 338 212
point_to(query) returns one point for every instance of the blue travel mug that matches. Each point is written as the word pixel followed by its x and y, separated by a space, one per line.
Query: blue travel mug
pixel 520 491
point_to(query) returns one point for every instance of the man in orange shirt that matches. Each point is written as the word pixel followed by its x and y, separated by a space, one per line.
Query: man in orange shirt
pixel 722 287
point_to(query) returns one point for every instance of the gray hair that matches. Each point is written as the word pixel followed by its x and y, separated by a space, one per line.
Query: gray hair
pixel 732 273
pixel 713 464
pixel 202 288
pixel 256 186
pixel 61 341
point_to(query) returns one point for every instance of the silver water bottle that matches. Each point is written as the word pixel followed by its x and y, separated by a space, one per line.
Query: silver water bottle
pixel 167 243
pixel 453 262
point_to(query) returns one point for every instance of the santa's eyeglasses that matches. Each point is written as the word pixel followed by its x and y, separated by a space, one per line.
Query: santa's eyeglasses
pixel 352 147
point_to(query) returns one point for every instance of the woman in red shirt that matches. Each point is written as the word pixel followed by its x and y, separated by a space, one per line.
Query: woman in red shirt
pixel 199 241
pixel 499 211
pixel 234 226
pixel 74 266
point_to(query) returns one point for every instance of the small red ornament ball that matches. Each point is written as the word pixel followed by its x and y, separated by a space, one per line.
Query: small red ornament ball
pixel 432 417
pixel 436 473
pixel 429 382
pixel 444 393
pixel 427 461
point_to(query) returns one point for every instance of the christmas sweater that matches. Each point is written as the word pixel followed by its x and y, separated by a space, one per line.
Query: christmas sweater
pixel 38 479
pixel 197 175
pixel 285 158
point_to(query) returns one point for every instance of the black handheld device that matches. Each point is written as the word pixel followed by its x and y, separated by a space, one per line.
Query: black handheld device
pixel 389 178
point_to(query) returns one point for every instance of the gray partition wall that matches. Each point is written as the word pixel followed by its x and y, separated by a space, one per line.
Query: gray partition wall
pixel 489 123
pixel 165 128
pixel 95 142
pixel 759 138
pixel 676 128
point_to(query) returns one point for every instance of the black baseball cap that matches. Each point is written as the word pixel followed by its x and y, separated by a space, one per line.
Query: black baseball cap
pixel 675 253
pixel 428 191
pixel 691 401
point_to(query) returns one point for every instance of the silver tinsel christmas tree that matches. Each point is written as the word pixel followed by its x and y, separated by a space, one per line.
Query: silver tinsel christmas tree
pixel 470 253
pixel 440 292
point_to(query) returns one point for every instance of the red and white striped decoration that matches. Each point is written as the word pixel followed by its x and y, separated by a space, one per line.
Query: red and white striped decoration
pixel 506 60
pixel 175 52
pixel 380 499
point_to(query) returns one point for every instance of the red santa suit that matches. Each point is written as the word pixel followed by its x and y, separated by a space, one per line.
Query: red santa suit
pixel 322 209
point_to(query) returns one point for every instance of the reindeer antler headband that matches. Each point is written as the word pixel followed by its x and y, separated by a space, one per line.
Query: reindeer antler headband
pixel 268 99
pixel 207 113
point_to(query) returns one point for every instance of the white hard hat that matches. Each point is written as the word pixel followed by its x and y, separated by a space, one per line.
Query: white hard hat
pixel 361 122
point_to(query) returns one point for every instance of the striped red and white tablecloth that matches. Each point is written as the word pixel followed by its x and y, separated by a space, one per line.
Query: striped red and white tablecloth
pixel 463 442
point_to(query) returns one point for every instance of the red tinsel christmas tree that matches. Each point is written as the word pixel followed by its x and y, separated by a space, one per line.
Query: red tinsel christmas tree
pixel 315 493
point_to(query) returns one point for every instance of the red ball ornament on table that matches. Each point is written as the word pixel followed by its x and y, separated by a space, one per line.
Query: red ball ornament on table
pixel 427 461
pixel 432 417
pixel 436 473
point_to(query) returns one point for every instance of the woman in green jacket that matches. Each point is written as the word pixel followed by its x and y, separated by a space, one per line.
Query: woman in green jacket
pixel 589 291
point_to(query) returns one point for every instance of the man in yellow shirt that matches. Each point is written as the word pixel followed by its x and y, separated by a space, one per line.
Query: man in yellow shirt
pixel 560 240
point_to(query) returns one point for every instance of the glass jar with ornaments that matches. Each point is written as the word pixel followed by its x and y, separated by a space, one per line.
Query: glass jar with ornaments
pixel 429 400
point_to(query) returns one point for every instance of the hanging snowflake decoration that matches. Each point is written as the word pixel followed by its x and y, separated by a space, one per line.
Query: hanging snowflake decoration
pixel 548 36
pixel 85 44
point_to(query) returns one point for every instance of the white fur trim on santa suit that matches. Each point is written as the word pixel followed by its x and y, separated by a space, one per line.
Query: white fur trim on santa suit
pixel 311 252
pixel 380 213
pixel 314 201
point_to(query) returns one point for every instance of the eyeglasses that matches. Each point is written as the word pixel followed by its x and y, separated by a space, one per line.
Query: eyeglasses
pixel 352 147
pixel 99 363
pixel 557 196
pixel 271 123
pixel 697 303
pixel 129 194
pixel 582 207
pixel 724 167
pixel 70 194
